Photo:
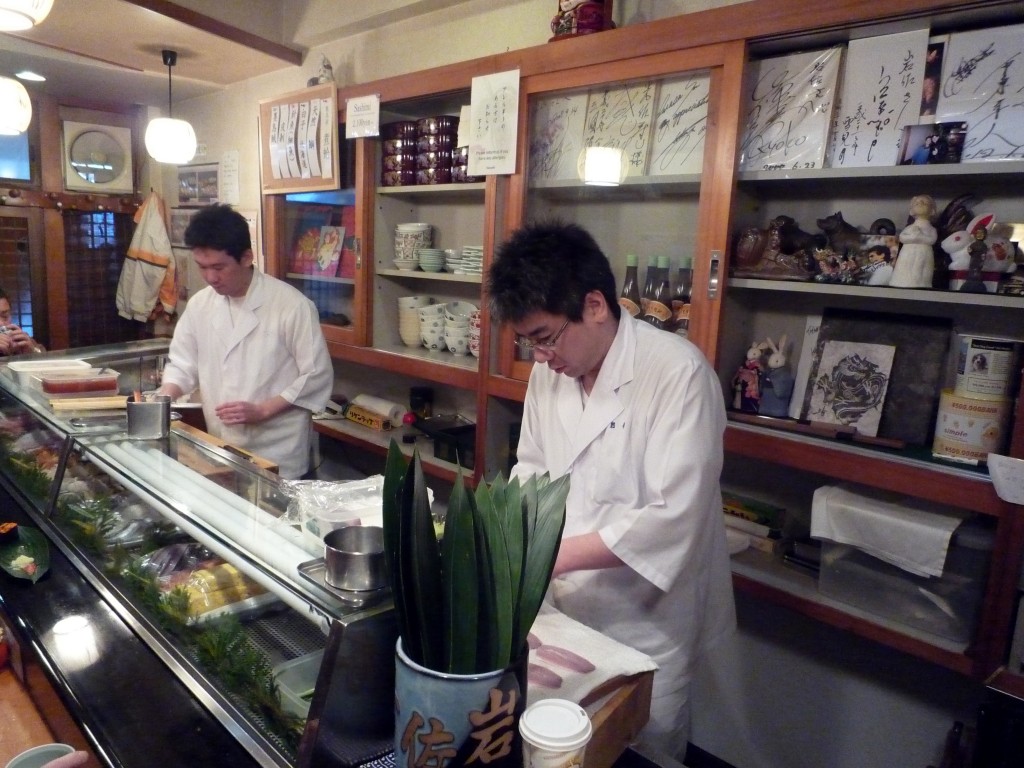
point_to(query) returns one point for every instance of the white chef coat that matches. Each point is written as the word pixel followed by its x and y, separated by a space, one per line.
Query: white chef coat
pixel 645 456
pixel 274 347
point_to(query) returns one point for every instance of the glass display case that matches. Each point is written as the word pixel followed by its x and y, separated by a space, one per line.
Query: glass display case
pixel 189 543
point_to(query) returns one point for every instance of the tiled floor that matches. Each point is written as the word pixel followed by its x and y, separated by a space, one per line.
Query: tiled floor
pixel 21 727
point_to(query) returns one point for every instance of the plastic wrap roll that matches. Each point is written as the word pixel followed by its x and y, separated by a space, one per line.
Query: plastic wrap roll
pixel 389 409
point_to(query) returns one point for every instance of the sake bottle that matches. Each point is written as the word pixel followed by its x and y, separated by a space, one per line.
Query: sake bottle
pixel 657 311
pixel 681 297
pixel 629 299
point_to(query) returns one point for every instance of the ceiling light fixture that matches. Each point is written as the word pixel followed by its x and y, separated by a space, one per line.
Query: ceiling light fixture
pixel 15 107
pixel 16 15
pixel 169 140
pixel 30 76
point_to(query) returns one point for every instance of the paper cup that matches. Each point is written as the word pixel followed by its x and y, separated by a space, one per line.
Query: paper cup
pixel 555 734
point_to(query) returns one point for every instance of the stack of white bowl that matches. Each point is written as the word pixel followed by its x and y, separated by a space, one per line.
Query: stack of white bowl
pixel 456 326
pixel 431 319
pixel 452 260
pixel 431 259
pixel 409 237
pixel 409 318
pixel 474 333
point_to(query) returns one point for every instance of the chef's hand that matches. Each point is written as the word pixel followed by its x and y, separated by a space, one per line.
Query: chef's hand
pixel 245 412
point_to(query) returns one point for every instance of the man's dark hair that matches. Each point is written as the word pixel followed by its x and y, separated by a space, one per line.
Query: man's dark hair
pixel 219 228
pixel 548 267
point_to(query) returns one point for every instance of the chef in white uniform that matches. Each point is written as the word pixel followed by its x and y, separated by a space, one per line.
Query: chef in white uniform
pixel 636 416
pixel 254 346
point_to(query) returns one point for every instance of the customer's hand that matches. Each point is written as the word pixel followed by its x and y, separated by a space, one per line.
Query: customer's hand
pixel 14 341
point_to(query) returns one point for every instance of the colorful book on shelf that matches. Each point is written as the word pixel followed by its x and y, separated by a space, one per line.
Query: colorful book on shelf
pixel 328 252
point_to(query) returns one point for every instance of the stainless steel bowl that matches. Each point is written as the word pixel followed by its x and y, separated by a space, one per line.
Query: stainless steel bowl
pixel 354 558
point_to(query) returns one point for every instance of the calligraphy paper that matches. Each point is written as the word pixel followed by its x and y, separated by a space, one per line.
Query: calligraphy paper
pixel 789 102
pixel 328 124
pixel 982 83
pixel 312 131
pixel 680 125
pixel 620 117
pixel 300 140
pixel 556 136
pixel 289 140
pixel 275 147
pixel 881 93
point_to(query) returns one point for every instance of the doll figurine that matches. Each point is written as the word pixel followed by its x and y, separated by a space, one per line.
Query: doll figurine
pixel 915 263
pixel 777 383
pixel 746 384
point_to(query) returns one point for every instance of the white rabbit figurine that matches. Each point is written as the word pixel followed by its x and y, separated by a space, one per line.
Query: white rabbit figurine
pixel 777 383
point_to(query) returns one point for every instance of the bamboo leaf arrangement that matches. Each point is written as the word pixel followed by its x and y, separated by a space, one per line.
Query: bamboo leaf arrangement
pixel 466 604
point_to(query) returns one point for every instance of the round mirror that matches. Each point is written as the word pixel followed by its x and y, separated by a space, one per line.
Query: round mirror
pixel 97 157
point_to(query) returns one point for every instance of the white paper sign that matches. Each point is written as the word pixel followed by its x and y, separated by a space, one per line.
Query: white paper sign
pixel 789 102
pixel 228 181
pixel 1008 477
pixel 362 116
pixel 881 94
pixel 982 83
pixel 494 106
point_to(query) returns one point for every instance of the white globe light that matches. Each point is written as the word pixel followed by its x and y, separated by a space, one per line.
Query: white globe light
pixel 15 107
pixel 169 140
pixel 22 14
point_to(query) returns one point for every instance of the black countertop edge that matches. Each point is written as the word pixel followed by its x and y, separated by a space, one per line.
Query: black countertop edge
pixel 127 702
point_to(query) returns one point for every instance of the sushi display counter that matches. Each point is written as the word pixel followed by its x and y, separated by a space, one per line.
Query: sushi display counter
pixel 155 585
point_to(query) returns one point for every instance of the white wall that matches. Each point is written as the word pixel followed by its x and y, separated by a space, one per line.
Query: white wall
pixel 798 694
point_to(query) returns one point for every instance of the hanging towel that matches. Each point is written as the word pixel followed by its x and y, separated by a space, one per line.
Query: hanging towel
pixel 147 275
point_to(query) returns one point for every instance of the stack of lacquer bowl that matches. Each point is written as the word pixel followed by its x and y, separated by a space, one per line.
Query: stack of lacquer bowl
pixel 398 163
pixel 435 140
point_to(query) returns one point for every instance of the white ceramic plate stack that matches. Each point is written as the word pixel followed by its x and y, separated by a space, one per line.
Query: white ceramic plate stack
pixel 431 259
pixel 472 260
pixel 409 237
pixel 452 260
pixel 432 326
pixel 409 318
pixel 474 333
pixel 456 326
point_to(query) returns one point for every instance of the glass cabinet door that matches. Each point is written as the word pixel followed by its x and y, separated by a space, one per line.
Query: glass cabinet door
pixel 666 125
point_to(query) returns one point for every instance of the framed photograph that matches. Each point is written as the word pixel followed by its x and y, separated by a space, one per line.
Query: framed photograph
pixel 299 141
pixel 180 218
pixel 97 158
pixel 198 185
pixel 933 143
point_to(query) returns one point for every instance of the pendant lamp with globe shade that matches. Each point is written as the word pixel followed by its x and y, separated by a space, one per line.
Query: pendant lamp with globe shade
pixel 18 15
pixel 169 140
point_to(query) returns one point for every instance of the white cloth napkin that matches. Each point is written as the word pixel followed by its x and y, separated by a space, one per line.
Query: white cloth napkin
pixel 569 660
pixel 905 532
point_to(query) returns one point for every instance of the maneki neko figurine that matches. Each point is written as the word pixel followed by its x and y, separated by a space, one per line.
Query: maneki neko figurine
pixel 581 17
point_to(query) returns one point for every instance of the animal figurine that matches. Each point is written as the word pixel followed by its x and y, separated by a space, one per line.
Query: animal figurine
pixel 777 383
pixel 915 262
pixel 957 246
pixel 792 239
pixel 746 384
pixel 843 237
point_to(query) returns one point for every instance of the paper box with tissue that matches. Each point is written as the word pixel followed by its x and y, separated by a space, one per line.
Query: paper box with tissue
pixel 945 605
